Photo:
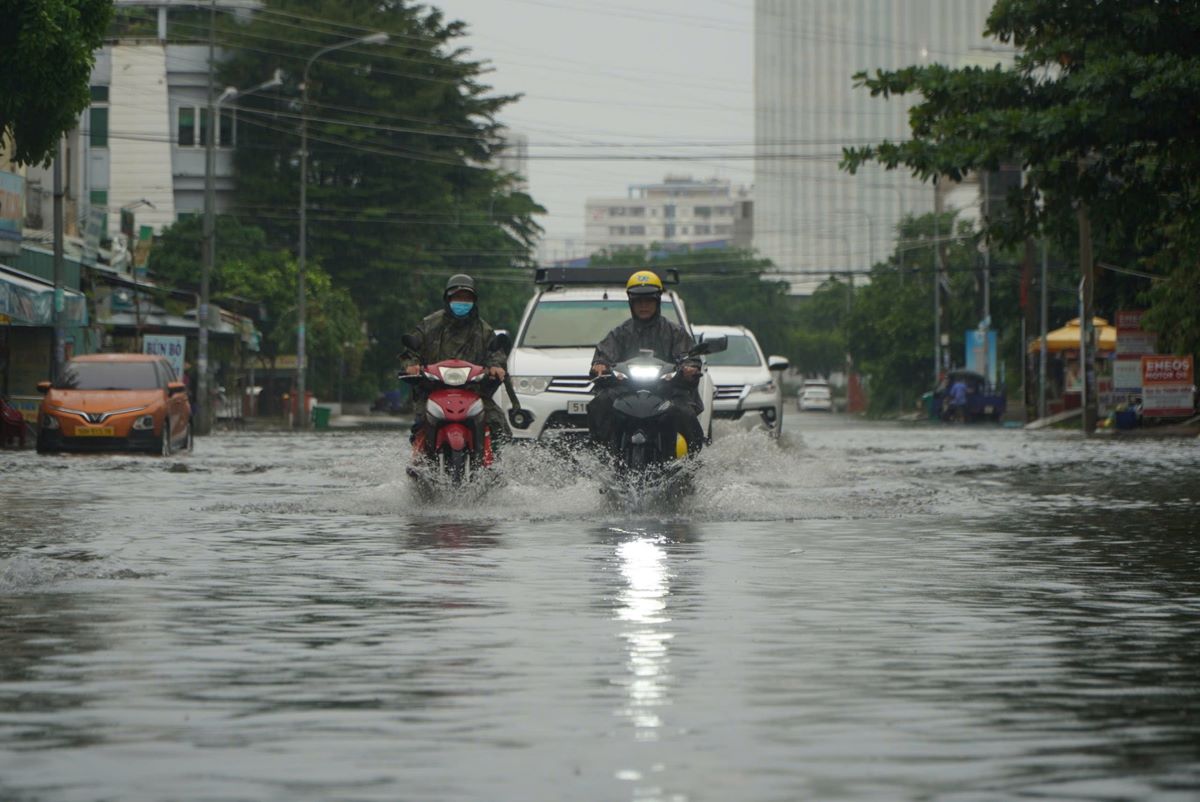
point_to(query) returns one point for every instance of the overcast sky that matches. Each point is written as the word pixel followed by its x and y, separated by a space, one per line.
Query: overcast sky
pixel 619 79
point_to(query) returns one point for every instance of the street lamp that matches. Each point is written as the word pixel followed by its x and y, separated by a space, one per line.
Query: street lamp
pixel 204 419
pixel 377 38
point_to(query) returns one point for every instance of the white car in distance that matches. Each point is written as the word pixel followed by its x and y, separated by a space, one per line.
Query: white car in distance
pixel 814 396
pixel 573 309
pixel 745 380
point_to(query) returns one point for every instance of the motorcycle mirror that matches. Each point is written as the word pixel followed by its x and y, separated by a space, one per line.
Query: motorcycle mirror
pixel 520 418
pixel 501 341
pixel 710 346
pixel 411 343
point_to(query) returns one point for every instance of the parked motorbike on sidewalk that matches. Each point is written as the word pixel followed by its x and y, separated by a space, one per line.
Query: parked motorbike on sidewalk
pixel 651 456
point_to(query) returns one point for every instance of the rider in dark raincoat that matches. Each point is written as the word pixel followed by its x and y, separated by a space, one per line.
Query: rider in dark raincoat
pixel 458 332
pixel 647 329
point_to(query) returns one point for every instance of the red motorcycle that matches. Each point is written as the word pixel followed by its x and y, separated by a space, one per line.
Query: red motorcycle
pixel 454 441
pixel 453 444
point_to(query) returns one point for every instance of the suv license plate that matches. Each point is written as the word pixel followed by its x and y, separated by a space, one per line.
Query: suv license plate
pixel 94 431
pixel 577 407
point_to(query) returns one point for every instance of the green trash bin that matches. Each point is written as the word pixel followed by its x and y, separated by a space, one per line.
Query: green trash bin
pixel 927 403
pixel 320 416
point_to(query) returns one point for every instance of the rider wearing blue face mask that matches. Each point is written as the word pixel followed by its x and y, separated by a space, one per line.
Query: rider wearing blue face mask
pixel 458 332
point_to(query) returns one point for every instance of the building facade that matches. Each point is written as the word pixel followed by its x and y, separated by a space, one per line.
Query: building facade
pixel 679 211
pixel 811 219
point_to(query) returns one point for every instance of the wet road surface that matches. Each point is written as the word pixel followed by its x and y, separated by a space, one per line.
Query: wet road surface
pixel 863 612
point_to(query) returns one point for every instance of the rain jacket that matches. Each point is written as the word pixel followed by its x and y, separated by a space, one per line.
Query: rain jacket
pixel 668 341
pixel 443 336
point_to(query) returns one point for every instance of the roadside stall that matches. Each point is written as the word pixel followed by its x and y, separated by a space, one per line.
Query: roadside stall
pixel 1064 374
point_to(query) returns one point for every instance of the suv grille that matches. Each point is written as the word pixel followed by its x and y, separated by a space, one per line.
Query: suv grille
pixel 579 385
pixel 729 392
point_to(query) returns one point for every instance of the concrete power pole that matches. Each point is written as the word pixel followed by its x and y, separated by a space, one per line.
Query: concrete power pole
pixel 1087 329
pixel 56 357
pixel 204 419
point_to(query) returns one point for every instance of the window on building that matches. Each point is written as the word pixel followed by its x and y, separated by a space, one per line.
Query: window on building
pixel 722 229
pixel 683 230
pixel 99 94
pixel 723 211
pixel 616 231
pixel 668 230
pixel 186 129
pixel 98 126
pixel 703 229
pixel 702 211
pixel 638 231
pixel 616 211
pixel 669 211
pixel 637 211
pixel 202 140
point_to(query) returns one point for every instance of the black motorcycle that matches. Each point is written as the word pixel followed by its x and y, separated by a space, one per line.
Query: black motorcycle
pixel 649 450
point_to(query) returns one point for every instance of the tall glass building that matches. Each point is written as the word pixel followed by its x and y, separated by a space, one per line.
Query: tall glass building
pixel 811 219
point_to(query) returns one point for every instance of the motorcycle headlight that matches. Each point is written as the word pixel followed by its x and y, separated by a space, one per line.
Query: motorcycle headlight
pixel 643 372
pixel 455 377
pixel 50 422
pixel 434 410
pixel 765 387
pixel 144 422
pixel 531 385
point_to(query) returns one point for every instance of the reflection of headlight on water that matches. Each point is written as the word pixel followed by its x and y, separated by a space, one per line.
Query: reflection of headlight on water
pixel 643 372
pixel 644 604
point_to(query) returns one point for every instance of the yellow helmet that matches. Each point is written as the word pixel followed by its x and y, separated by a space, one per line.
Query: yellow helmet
pixel 644 282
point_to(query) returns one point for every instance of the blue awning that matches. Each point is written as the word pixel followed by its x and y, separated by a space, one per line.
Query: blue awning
pixel 29 301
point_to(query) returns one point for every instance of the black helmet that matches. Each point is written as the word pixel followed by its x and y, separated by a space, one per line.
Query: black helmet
pixel 459 281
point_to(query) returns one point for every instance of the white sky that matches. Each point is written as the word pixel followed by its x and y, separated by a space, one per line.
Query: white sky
pixel 669 77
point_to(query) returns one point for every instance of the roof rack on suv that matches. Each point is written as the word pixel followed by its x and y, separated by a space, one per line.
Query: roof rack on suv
pixel 598 275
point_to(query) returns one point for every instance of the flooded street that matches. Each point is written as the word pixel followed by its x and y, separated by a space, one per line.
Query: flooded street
pixel 866 611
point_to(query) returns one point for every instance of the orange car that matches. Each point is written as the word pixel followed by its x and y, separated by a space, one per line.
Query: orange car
pixel 115 402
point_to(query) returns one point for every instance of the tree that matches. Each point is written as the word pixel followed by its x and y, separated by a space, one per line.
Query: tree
pixel 401 137
pixel 247 269
pixel 46 52
pixel 1099 109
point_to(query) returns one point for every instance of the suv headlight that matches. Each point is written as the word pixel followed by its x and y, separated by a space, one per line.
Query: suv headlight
pixel 49 422
pixel 144 422
pixel 531 385
pixel 765 387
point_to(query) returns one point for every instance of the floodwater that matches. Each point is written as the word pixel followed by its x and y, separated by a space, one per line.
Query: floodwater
pixel 860 612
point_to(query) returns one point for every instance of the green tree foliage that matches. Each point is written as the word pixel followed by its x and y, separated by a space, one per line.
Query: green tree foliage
pixel 1099 107
pixel 46 55
pixel 400 137
pixel 248 269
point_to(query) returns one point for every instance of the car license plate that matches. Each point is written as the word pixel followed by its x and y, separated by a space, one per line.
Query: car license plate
pixel 577 407
pixel 94 431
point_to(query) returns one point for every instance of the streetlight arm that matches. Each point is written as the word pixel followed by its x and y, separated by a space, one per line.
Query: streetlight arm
pixel 370 39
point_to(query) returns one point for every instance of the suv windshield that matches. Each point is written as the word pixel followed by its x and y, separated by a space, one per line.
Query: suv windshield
pixel 579 324
pixel 741 353
pixel 108 376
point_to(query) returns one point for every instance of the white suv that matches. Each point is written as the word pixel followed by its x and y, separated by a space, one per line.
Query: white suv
pixel 572 310
pixel 744 380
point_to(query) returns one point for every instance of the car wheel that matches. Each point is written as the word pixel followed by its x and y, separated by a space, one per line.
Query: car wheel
pixel 41 446
pixel 165 448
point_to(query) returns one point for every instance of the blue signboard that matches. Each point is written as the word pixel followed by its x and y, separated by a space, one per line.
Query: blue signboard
pixel 12 212
pixel 981 355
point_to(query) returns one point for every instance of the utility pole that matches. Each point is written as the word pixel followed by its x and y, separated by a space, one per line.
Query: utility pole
pixel 937 286
pixel 56 357
pixel 1045 314
pixel 204 419
pixel 1087 329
